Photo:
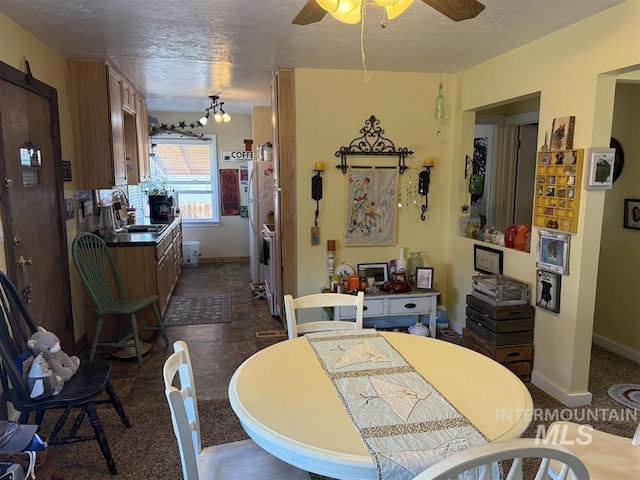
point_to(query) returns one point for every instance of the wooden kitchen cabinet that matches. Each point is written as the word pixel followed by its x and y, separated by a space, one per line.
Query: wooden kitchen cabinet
pixel 151 269
pixel 142 130
pixel 105 127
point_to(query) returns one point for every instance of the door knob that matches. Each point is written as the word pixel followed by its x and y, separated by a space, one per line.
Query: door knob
pixel 25 261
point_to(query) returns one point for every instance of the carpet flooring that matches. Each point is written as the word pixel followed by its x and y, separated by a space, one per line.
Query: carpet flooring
pixel 198 309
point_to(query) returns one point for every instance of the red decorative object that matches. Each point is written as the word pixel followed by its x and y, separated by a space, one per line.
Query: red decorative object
pixel 229 184
pixel 510 236
pixel 521 237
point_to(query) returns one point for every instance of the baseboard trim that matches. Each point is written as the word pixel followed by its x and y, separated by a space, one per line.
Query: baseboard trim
pixel 568 399
pixel 617 348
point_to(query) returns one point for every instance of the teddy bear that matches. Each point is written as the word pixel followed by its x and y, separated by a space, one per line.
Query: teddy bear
pixel 48 344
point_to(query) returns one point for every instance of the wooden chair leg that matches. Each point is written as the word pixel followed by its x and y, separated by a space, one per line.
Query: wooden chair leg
pixel 101 437
pixel 156 313
pixel 117 405
pixel 94 345
pixel 136 338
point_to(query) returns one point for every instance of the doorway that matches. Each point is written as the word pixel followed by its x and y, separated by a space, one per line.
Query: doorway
pixel 34 233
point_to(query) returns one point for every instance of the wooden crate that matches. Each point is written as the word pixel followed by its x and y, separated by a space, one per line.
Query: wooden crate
pixel 517 358
pixel 500 326
pixel 509 312
pixel 500 290
pixel 510 338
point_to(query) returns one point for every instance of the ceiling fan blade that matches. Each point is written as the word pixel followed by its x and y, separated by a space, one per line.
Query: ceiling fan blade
pixel 457 10
pixel 310 13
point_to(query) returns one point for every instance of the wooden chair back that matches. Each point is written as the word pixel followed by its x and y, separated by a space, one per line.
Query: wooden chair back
pixel 325 301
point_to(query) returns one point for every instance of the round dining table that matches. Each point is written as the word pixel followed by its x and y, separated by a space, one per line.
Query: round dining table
pixel 288 405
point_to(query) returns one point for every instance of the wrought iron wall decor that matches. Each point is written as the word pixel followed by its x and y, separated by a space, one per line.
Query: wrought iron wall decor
pixel 371 142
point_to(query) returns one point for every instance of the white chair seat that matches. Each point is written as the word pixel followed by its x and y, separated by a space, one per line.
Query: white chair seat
pixel 244 460
pixel 607 456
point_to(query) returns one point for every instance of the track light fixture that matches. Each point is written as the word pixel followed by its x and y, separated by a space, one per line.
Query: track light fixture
pixel 219 115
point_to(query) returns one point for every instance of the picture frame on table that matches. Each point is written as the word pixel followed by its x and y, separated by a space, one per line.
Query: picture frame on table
pixel 632 213
pixel 379 271
pixel 553 251
pixel 600 168
pixel 548 290
pixel 562 133
pixel 487 260
pixel 424 278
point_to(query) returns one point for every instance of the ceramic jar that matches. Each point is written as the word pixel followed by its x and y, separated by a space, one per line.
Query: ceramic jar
pixel 419 329
pixel 510 236
pixel 520 240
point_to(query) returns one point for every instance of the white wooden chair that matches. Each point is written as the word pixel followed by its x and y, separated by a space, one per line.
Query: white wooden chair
pixel 231 461
pixel 515 450
pixel 321 300
pixel 607 456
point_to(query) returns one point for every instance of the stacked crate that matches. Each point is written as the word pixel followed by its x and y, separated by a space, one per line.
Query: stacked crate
pixel 500 323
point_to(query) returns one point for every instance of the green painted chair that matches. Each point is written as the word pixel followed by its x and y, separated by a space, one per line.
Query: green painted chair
pixel 96 266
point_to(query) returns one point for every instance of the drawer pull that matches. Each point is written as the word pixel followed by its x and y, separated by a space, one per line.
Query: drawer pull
pixel 410 305
pixel 364 308
pixel 513 354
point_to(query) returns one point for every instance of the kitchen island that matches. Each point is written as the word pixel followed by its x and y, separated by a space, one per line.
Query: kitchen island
pixel 150 263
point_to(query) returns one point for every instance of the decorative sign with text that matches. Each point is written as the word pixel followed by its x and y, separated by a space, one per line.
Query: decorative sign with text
pixel 230 191
pixel 236 156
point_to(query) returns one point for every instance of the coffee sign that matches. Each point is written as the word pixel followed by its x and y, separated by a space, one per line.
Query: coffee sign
pixel 236 156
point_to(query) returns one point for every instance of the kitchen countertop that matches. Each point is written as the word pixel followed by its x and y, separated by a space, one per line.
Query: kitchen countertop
pixel 141 239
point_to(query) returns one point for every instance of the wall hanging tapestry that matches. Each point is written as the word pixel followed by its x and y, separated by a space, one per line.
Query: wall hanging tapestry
pixel 230 187
pixel 371 206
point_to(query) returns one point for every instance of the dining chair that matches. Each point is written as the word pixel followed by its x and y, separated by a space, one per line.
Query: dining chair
pixel 607 456
pixel 486 457
pixel 96 266
pixel 82 392
pixel 324 301
pixel 230 461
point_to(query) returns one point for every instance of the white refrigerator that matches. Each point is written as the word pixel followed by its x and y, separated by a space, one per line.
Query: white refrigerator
pixel 260 203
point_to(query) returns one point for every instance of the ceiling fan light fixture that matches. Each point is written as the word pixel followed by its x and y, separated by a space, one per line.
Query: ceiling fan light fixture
pixel 346 11
pixel 329 5
pixel 396 7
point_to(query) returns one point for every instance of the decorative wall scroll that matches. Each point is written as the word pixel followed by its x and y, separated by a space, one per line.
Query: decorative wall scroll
pixel 371 142
pixel 371 207
pixel 230 191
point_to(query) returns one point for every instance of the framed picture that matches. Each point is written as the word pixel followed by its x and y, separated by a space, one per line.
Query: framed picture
pixel 553 251
pixel 632 213
pixel 379 271
pixel 562 133
pixel 424 277
pixel 600 168
pixel 487 260
pixel 548 290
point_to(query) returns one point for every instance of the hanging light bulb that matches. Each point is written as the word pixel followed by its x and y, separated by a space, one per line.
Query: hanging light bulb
pixel 218 117
pixel 204 119
pixel 225 117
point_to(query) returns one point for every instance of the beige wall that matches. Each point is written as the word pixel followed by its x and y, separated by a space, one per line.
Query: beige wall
pixel 230 238
pixel 616 323
pixel 404 104
pixel 567 67
pixel 47 66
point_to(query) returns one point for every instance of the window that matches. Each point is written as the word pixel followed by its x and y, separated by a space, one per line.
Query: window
pixel 186 165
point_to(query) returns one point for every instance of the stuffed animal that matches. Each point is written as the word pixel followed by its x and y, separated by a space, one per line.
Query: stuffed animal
pixel 48 344
pixel 41 380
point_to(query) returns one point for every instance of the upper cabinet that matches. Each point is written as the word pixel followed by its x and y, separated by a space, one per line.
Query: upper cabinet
pixel 106 136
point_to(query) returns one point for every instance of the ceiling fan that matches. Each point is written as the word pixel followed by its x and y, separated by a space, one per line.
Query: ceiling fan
pixel 456 10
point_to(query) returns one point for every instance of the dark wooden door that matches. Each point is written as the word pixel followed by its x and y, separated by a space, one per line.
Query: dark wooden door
pixel 35 241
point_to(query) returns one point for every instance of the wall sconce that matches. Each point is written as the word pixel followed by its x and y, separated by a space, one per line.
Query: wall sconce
pixel 316 188
pixel 216 109
pixel 424 178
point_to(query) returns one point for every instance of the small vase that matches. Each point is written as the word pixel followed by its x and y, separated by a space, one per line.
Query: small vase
pixel 419 329
pixel 521 237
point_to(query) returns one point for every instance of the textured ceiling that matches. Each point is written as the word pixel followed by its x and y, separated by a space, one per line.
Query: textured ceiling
pixel 179 53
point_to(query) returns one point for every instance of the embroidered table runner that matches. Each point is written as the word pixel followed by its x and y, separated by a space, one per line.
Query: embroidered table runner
pixel 406 424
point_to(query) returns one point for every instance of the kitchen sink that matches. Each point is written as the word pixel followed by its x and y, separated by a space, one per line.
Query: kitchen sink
pixel 145 228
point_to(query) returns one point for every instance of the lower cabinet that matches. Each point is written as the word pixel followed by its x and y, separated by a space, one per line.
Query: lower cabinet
pixel 150 269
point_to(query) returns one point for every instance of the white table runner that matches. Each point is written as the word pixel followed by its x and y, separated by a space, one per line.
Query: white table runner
pixel 405 422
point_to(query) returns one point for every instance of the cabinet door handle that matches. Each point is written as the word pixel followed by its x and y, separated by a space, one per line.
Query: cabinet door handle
pixel 409 305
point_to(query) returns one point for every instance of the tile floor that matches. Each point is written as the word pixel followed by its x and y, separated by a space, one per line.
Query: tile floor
pixel 216 349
